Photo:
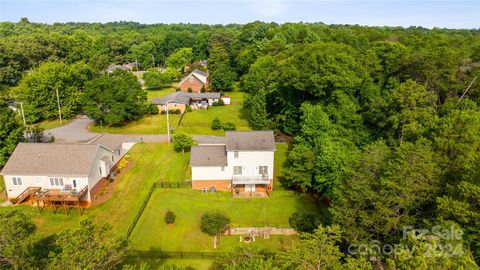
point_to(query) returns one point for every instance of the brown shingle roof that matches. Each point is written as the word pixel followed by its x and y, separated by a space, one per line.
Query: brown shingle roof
pixel 250 140
pixel 212 155
pixel 51 159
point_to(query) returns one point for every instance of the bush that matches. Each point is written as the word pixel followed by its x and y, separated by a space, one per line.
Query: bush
pixel 188 109
pixel 215 104
pixel 221 102
pixel 174 111
pixel 216 124
pixel 214 223
pixel 190 90
pixel 153 109
pixel 203 90
pixel 169 217
pixel 304 222
pixel 122 163
pixel 182 142
pixel 229 126
pixel 163 112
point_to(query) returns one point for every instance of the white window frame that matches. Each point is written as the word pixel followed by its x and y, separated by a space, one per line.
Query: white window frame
pixel 56 181
pixel 235 154
pixel 17 181
pixel 237 170
pixel 223 168
pixel 262 170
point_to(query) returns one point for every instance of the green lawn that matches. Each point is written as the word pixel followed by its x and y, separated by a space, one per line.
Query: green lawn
pixel 197 264
pixel 2 188
pixel 49 124
pixel 280 156
pixel 159 92
pixel 199 122
pixel 150 162
pixel 151 124
pixel 189 205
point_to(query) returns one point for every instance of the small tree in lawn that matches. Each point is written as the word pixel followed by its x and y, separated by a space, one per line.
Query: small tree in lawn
pixel 169 217
pixel 214 224
pixel 216 124
pixel 182 142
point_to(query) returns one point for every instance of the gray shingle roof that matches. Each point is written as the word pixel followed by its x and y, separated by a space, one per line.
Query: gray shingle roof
pixel 211 155
pixel 210 140
pixel 51 159
pixel 183 97
pixel 250 140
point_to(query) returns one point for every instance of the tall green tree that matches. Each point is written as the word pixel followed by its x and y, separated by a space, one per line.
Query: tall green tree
pixel 179 59
pixel 115 98
pixel 11 132
pixel 258 114
pixel 17 238
pixel 43 82
pixel 91 246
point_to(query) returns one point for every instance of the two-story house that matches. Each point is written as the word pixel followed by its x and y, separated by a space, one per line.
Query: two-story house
pixel 241 162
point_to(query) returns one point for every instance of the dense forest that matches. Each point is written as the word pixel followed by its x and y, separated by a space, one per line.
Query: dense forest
pixel 385 121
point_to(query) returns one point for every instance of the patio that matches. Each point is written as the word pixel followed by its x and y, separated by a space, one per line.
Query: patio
pixel 57 198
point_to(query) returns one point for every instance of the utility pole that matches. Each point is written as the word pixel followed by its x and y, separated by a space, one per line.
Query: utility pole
pixel 24 122
pixel 168 126
pixel 58 103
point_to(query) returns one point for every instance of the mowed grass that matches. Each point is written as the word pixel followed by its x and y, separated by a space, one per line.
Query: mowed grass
pixel 199 122
pixel 149 163
pixel 52 123
pixel 159 92
pixel 150 124
pixel 279 160
pixel 189 205
pixel 197 264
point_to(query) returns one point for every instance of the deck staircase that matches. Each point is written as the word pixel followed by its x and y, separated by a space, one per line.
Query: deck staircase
pixel 25 194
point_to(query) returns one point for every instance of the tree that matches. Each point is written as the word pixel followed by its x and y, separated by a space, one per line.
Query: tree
pixel 182 142
pixel 169 217
pixel 43 83
pixel 304 222
pixel 156 79
pixel 144 53
pixel 179 58
pixel 115 98
pixel 90 246
pixel 386 190
pixel 245 258
pixel 432 251
pixel 222 78
pixel 258 113
pixel 319 250
pixel 216 124
pixel 11 132
pixel 16 240
pixel 214 224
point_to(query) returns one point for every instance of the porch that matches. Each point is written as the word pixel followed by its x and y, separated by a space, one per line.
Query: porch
pixel 56 198
pixel 251 191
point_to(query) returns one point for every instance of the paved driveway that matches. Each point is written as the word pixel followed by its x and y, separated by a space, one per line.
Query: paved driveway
pixel 77 132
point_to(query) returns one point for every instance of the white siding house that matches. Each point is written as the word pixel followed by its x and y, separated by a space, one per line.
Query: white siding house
pixel 241 162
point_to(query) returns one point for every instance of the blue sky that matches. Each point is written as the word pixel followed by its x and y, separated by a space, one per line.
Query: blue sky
pixel 449 14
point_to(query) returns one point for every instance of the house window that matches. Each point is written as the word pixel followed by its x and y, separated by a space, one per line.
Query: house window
pixel 100 169
pixel 112 158
pixel 235 154
pixel 223 168
pixel 119 151
pixel 56 181
pixel 262 170
pixel 237 170
pixel 17 181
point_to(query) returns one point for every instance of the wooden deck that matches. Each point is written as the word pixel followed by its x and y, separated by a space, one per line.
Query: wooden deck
pixel 56 198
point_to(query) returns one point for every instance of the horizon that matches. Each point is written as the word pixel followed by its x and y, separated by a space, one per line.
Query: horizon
pixel 426 14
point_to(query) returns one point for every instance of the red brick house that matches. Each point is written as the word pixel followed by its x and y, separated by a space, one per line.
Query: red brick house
pixel 195 80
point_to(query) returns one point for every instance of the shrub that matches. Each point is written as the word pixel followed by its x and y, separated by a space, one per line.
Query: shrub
pixel 221 102
pixel 203 90
pixel 123 163
pixel 216 124
pixel 214 223
pixel 304 222
pixel 229 126
pixel 182 142
pixel 152 109
pixel 190 90
pixel 163 112
pixel 174 111
pixel 169 217
pixel 215 103
pixel 188 109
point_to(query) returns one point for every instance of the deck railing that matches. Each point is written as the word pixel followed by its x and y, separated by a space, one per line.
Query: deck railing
pixel 251 179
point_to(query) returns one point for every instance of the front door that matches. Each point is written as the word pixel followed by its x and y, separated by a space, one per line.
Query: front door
pixel 250 188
